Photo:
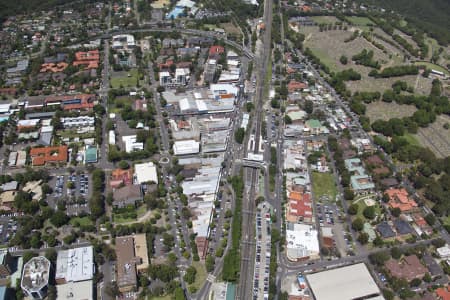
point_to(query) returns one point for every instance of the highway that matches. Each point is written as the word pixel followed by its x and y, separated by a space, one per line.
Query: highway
pixel 245 287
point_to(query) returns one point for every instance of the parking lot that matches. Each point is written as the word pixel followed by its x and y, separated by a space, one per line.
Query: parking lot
pixel 8 228
pixel 262 260
pixel 73 191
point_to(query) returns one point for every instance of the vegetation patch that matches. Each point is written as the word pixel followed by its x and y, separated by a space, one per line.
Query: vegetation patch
pixel 324 185
pixel 360 21
pixel 124 79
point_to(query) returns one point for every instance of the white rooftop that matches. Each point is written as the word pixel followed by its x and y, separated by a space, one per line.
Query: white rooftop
pixel 303 241
pixel 351 282
pixel 75 290
pixel 75 264
pixel 186 147
pixel 146 172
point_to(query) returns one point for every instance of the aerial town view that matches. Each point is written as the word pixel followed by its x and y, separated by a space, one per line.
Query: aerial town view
pixel 225 150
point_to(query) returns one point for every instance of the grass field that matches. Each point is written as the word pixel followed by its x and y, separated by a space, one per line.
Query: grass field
pixel 362 205
pixel 84 221
pixel 325 19
pixel 167 297
pixel 230 28
pixel 421 85
pixel 122 78
pixel 360 21
pixel 200 277
pixel 323 184
pixel 412 139
pixel 436 137
pixel 432 66
pixel 380 110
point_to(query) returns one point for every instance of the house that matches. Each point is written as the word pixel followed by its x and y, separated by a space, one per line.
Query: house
pixel 296 86
pixel 313 127
pixel 402 227
pixel 443 252
pixel 215 51
pixel 399 198
pixel 432 265
pixel 89 59
pixel 408 268
pixel 443 293
pixel 121 177
pixel 385 230
pixel 127 196
pixel 45 155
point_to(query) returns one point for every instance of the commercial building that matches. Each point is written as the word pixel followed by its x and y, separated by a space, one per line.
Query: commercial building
pixel 145 172
pixel 127 196
pixel 123 42
pixel 74 265
pixel 126 264
pixel 6 264
pixel 186 147
pixel 81 121
pixel 302 242
pixel 350 282
pixel 35 276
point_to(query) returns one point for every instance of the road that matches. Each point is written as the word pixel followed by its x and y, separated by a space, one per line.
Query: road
pixel 248 206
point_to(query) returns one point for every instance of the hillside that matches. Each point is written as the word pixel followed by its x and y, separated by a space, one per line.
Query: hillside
pixel 431 16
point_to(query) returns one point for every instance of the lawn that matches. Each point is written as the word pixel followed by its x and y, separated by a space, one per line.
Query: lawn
pixel 141 210
pixel 323 184
pixel 120 219
pixel 362 205
pixel 411 139
pixel 380 110
pixel 432 66
pixel 84 221
pixel 360 21
pixel 200 277
pixel 122 79
pixel 436 137
pixel 167 297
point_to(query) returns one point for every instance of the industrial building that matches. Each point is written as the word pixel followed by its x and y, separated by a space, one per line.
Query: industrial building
pixel 145 172
pixel 186 147
pixel 350 282
pixel 302 242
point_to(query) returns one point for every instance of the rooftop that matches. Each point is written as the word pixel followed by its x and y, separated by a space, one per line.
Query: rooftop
pixel 146 172
pixel 75 264
pixel 126 264
pixel 408 268
pixel 351 282
pixel 35 274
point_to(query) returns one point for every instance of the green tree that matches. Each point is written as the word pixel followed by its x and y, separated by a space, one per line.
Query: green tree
pixel 209 263
pixel 123 165
pixel 191 272
pixel 59 218
pixel 369 212
pixel 358 224
pixel 239 135
pixel 396 212
pixel 343 59
pixel 396 253
pixel 363 238
pixel 353 209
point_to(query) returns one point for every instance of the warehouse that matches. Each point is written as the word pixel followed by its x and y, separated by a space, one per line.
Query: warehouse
pixel 350 282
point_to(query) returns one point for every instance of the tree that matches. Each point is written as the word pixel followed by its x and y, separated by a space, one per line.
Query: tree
pixel 415 282
pixel 343 59
pixel 427 278
pixel 369 212
pixel 308 106
pixel 358 224
pixel 396 253
pixel 191 272
pixel 378 241
pixel 179 294
pixel 287 119
pixel 239 135
pixel 396 212
pixel 353 209
pixel 59 218
pixel 209 263
pixel 363 238
pixel 348 194
pixel 431 219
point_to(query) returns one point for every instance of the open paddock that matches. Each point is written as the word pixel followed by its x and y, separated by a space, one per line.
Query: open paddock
pixel 436 137
pixel 380 110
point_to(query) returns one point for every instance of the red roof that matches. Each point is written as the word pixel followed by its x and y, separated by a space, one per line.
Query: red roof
pixel 300 205
pixel 90 59
pixel 41 156
pixel 216 50
pixel 443 293
pixel 400 198
pixel 296 86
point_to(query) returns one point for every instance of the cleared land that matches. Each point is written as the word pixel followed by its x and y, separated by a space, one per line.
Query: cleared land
pixel 200 277
pixel 230 28
pixel 380 110
pixel 324 185
pixel 124 79
pixel 436 137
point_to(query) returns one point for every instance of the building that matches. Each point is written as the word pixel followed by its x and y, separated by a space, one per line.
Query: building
pixel 127 196
pixel 299 208
pixel 141 252
pixel 90 154
pixel 408 268
pixel 89 59
pixel 35 276
pixel 123 42
pixel 126 264
pixel 74 265
pixel 74 273
pixel 77 122
pixel 6 264
pixel 443 252
pixel 45 155
pixel 131 144
pixel 302 242
pixel 186 147
pixel 121 177
pixel 399 198
pixel 145 172
pixel 350 282
pixel 385 230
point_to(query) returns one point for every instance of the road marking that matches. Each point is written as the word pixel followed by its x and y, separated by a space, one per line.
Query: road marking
pixel 211 278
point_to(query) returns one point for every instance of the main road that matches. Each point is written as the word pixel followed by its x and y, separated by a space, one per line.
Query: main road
pixel 245 286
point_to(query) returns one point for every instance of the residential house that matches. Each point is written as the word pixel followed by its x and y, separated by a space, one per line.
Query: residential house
pixel 408 268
